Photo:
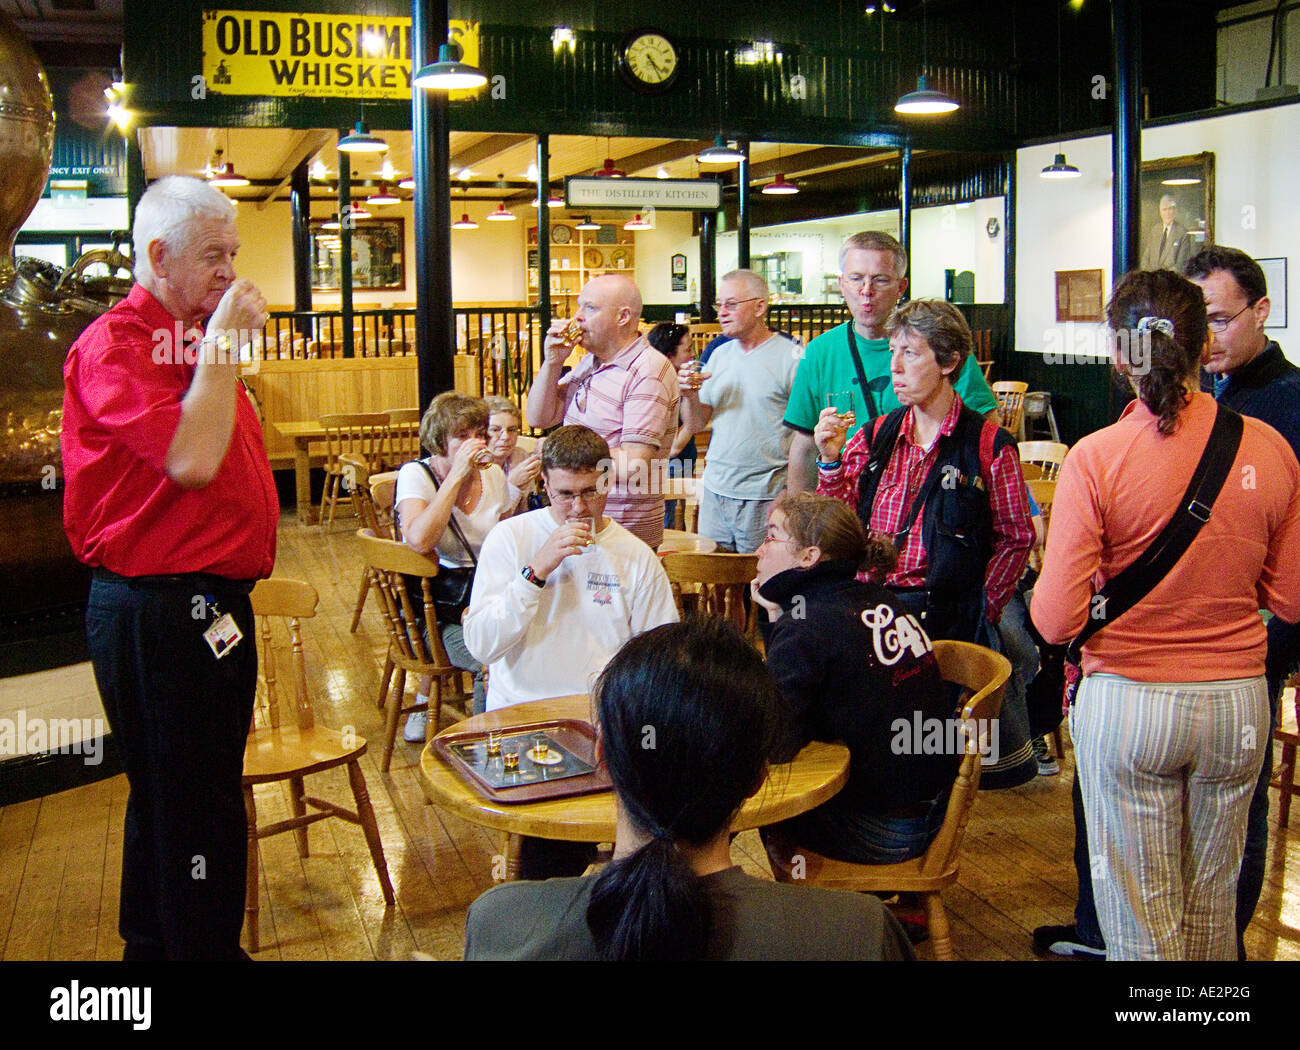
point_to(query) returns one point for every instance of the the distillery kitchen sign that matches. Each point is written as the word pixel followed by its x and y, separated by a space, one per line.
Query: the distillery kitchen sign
pixel 316 55
pixel 668 194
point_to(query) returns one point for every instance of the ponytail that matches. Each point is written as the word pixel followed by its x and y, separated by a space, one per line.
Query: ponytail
pixel 649 907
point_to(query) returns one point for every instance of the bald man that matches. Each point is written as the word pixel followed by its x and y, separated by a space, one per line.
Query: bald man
pixel 623 389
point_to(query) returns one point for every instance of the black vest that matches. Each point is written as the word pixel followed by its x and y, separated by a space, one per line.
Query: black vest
pixel 956 518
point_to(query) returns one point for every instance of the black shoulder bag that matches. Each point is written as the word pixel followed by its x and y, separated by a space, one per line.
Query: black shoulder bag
pixel 451 587
pixel 1135 582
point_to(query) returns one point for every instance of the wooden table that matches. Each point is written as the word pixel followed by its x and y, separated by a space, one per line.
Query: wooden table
pixel 302 433
pixel 678 542
pixel 817 773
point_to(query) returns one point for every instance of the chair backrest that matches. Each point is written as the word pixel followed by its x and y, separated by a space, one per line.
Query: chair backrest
pixel 289 601
pixel 359 433
pixel 1044 457
pixel 1044 492
pixel 390 562
pixel 402 438
pixel 1011 403
pixel 982 674
pixel 356 479
pixel 713 585
pixel 382 487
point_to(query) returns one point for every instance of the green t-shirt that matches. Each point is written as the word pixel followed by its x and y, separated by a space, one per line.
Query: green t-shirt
pixel 827 366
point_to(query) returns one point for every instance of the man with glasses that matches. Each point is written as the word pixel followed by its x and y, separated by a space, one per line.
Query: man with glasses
pixel 744 396
pixel 1251 375
pixel 854 357
pixel 558 590
pixel 624 390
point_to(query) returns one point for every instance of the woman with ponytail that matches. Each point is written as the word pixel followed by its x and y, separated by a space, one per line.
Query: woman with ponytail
pixel 687 715
pixel 854 665
pixel 1171 716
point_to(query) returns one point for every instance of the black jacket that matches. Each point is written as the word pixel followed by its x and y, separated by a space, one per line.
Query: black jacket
pixel 872 687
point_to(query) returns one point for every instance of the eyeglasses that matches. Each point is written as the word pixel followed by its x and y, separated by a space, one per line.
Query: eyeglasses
pixel 769 538
pixel 879 282
pixel 569 498
pixel 731 304
pixel 1220 324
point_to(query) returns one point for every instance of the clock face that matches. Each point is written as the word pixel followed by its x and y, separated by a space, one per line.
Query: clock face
pixel 649 61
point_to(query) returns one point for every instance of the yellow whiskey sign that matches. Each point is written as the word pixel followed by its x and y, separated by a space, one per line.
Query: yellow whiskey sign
pixel 317 55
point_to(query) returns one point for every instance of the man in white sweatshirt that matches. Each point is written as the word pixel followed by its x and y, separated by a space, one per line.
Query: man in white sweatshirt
pixel 558 590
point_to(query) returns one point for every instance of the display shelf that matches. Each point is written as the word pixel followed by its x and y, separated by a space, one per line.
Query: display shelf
pixel 587 257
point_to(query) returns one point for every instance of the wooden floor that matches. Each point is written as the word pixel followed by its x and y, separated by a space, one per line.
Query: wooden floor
pixel 60 856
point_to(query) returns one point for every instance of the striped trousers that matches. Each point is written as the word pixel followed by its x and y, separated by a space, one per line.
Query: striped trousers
pixel 1167 771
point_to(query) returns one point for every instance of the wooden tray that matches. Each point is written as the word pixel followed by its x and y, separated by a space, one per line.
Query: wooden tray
pixel 465 753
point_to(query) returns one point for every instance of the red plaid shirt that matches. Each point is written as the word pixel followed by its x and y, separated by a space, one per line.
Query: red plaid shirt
pixel 905 473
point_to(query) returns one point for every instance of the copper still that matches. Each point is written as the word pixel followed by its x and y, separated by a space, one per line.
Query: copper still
pixel 42 311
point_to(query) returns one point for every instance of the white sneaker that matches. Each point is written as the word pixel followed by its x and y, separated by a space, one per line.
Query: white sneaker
pixel 414 731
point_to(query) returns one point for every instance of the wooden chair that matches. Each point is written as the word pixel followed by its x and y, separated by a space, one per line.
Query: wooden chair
pixel 401 438
pixel 714 585
pixel 408 651
pixel 1011 405
pixel 291 746
pixel 1042 459
pixel 356 480
pixel 355 433
pixel 983 675
pixel 685 492
pixel 1288 735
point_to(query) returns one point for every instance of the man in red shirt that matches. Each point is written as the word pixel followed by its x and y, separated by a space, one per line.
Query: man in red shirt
pixel 169 498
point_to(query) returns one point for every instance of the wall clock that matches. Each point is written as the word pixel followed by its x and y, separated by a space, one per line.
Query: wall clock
pixel 648 61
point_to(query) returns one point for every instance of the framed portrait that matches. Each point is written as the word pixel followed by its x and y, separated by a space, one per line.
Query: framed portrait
pixel 377 255
pixel 1177 210
pixel 1275 279
pixel 1078 295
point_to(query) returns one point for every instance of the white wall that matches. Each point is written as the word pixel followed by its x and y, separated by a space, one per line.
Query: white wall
pixel 1066 225
pixel 955 237
pixel 654 251
pixel 1242 51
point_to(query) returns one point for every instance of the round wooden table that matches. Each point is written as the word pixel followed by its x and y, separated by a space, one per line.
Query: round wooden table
pixel 678 542
pixel 817 773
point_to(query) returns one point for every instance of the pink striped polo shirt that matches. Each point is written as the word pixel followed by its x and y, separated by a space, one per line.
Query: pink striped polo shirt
pixel 631 399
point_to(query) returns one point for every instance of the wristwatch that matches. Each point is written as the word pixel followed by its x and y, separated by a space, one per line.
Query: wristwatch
pixel 223 343
pixel 527 573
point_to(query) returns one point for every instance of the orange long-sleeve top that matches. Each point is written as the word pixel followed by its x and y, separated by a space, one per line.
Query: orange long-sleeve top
pixel 1117 490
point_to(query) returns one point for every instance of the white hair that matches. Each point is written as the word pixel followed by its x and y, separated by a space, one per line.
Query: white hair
pixel 753 281
pixel 167 210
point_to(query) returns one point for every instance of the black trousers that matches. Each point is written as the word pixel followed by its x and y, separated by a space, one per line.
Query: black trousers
pixel 180 719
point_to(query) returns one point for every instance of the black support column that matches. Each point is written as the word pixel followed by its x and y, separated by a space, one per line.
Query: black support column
pixel 435 337
pixel 544 229
pixel 905 202
pixel 300 234
pixel 708 265
pixel 742 193
pixel 1126 137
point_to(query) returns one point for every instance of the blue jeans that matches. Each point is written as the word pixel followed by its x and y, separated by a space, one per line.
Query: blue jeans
pixel 847 834
pixel 453 640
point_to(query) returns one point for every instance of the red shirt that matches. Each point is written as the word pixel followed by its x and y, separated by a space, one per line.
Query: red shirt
pixel 120 412
pixel 906 471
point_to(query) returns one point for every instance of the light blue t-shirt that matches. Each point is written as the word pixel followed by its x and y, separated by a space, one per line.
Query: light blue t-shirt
pixel 748 392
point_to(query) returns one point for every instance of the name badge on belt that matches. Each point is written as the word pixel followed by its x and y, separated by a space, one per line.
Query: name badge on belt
pixel 223 635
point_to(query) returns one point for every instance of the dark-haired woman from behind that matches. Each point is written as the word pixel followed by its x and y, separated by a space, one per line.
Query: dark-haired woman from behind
pixel 1172 714
pixel 854 666
pixel 672 892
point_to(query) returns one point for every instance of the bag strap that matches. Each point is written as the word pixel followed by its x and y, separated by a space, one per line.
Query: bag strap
pixel 867 395
pixel 1137 580
pixel 451 521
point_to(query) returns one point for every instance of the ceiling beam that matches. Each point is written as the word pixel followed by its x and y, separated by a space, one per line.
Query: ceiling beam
pixel 813 159
pixel 308 144
pixel 657 155
pixel 486 149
